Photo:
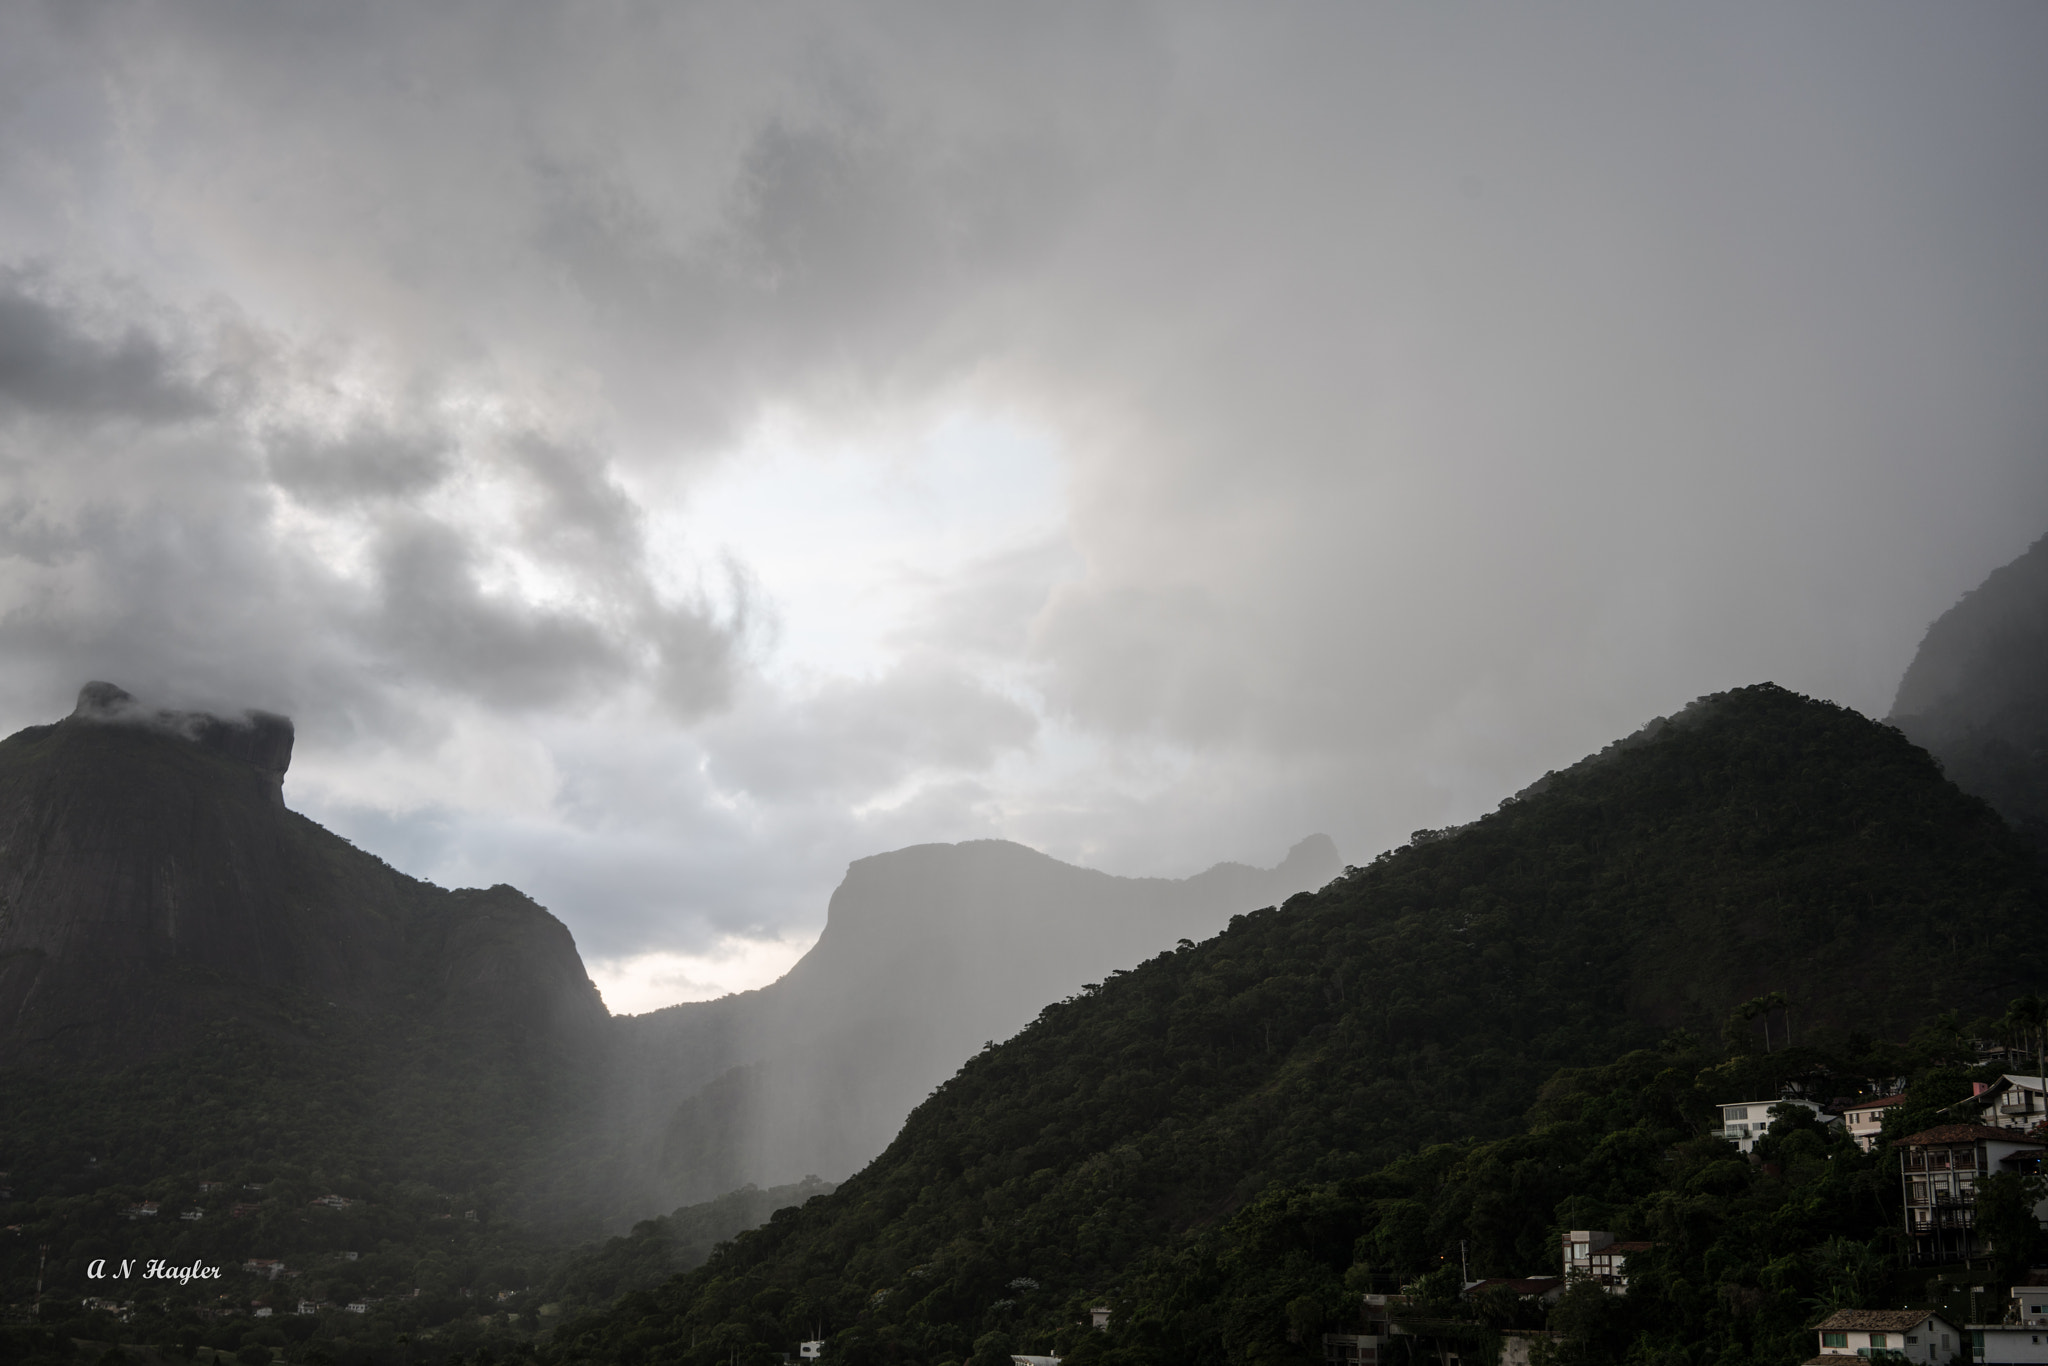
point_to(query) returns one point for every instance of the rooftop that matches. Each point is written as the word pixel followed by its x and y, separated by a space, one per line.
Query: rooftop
pixel 1966 1133
pixel 1875 1320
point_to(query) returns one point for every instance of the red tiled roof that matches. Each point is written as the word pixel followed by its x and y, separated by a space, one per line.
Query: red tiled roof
pixel 1964 1133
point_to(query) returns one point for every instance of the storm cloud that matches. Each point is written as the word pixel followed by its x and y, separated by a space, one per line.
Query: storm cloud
pixel 658 453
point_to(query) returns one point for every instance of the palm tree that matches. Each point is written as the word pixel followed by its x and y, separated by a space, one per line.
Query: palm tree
pixel 1776 1000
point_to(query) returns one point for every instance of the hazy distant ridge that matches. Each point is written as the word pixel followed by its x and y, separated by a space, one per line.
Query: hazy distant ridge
pixel 927 953
pixel 1976 694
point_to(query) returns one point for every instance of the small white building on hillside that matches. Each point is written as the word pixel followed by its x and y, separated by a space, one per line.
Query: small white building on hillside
pixel 1898 1334
pixel 2012 1102
pixel 1864 1119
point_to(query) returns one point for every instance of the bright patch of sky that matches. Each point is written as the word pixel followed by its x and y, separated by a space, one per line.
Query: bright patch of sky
pixel 650 981
pixel 848 539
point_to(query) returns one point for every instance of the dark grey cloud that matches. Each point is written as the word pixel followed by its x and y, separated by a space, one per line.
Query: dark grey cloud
pixel 220 544
pixel 55 362
pixel 371 461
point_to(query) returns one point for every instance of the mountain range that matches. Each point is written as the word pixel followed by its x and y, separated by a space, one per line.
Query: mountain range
pixel 154 887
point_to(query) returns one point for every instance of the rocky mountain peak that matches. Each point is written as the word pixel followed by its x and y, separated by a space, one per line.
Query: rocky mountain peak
pixel 260 739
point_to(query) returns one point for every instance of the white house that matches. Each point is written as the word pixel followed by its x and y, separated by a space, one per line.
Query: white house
pixel 1909 1334
pixel 2011 1102
pixel 2007 1344
pixel 1864 1119
pixel 1743 1122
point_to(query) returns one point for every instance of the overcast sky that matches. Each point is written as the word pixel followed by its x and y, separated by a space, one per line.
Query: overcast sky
pixel 660 452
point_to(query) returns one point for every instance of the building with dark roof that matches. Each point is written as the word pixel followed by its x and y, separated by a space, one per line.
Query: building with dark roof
pixel 1913 1335
pixel 1939 1169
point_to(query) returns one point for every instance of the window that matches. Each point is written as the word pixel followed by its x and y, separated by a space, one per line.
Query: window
pixel 1834 1339
pixel 1877 1340
pixel 1737 1112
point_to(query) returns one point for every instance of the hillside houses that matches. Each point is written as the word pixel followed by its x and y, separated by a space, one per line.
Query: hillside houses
pixel 2020 1336
pixel 2012 1102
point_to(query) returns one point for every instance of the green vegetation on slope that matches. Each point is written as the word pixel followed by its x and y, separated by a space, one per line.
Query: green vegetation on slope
pixel 1759 841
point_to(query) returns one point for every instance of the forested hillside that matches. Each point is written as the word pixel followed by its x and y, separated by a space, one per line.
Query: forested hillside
pixel 1757 842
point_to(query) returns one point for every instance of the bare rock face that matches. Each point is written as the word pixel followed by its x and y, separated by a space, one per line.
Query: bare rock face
pixel 151 880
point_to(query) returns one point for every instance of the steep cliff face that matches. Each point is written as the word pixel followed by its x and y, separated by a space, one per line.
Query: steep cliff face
pixel 152 880
pixel 928 952
pixel 1976 694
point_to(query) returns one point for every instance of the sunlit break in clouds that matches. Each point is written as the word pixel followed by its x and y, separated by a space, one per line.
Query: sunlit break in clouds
pixel 659 454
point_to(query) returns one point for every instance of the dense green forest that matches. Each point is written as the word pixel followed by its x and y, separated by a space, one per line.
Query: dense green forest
pixel 1759 842
pixel 1749 1251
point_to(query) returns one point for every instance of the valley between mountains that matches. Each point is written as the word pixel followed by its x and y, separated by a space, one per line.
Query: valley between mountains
pixel 1232 1113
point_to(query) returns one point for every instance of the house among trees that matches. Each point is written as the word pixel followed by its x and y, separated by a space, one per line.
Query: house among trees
pixel 1597 1256
pixel 1743 1122
pixel 146 1210
pixel 2011 1102
pixel 1912 1335
pixel 268 1267
pixel 1940 1169
pixel 1864 1119
pixel 193 1215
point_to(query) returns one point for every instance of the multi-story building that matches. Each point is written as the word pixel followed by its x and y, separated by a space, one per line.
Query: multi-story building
pixel 1940 1168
